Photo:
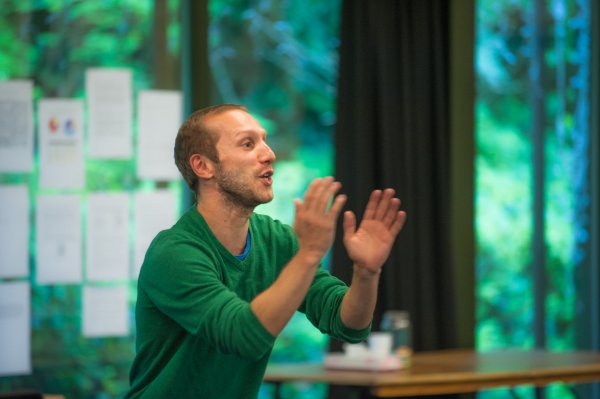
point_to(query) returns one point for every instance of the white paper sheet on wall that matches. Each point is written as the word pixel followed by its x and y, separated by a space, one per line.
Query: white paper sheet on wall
pixel 107 238
pixel 153 212
pixel 58 239
pixel 16 126
pixel 14 231
pixel 159 118
pixel 15 328
pixel 105 312
pixel 110 112
pixel 61 143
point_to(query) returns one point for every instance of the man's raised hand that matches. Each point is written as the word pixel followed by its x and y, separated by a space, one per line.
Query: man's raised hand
pixel 369 246
pixel 314 223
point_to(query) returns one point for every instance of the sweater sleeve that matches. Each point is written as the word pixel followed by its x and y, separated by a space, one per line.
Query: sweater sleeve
pixel 323 303
pixel 184 283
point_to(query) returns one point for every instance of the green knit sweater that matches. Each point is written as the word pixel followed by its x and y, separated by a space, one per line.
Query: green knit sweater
pixel 197 336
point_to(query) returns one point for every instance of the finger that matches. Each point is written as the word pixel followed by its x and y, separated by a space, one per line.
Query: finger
pixel 297 205
pixel 323 194
pixel 336 207
pixel 398 223
pixel 311 193
pixel 349 224
pixel 372 205
pixel 297 209
pixel 327 190
pixel 384 203
pixel 390 214
pixel 326 197
pixel 320 197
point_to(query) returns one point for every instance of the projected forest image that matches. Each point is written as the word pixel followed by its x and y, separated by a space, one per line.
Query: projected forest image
pixel 53 43
pixel 504 179
pixel 279 58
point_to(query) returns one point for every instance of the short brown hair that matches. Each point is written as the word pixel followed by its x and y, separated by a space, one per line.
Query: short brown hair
pixel 194 137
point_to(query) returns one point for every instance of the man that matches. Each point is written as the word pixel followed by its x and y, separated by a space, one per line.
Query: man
pixel 218 287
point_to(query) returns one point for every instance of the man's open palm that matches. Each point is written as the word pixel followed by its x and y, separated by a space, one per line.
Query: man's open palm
pixel 369 246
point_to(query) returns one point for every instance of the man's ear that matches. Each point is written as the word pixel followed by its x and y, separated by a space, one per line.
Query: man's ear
pixel 203 167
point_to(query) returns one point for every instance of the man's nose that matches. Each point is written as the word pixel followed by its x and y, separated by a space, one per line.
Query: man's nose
pixel 267 155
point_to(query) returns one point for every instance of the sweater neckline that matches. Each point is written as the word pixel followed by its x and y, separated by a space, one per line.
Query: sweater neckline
pixel 204 231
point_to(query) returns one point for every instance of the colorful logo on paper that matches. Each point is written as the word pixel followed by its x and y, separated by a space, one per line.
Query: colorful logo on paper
pixel 70 127
pixel 53 124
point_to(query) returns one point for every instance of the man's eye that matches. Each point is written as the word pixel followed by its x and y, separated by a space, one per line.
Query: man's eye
pixel 247 144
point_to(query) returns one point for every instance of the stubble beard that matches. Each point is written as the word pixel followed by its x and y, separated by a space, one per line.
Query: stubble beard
pixel 237 191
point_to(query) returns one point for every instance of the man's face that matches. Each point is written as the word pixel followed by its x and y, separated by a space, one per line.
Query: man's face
pixel 244 172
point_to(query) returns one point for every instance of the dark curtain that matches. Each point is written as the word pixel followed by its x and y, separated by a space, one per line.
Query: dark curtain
pixel 392 131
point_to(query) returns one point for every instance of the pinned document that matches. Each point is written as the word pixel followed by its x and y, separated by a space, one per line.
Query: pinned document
pixel 61 143
pixel 105 312
pixel 14 231
pixel 58 239
pixel 16 126
pixel 159 119
pixel 107 237
pixel 15 328
pixel 110 111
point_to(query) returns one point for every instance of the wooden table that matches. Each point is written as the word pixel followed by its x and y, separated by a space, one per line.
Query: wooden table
pixel 454 371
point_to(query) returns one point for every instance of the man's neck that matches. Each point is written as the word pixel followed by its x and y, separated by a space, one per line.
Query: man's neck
pixel 228 223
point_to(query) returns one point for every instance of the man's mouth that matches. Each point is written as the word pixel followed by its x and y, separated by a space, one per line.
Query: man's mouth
pixel 267 177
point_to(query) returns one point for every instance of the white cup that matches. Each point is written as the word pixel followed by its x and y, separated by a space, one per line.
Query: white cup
pixel 380 343
pixel 355 350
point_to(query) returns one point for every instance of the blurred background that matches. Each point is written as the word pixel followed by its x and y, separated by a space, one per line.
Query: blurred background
pixel 281 59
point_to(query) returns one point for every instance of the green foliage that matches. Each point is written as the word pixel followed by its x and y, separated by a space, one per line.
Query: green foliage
pixel 503 225
pixel 278 58
pixel 53 43
pixel 504 173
